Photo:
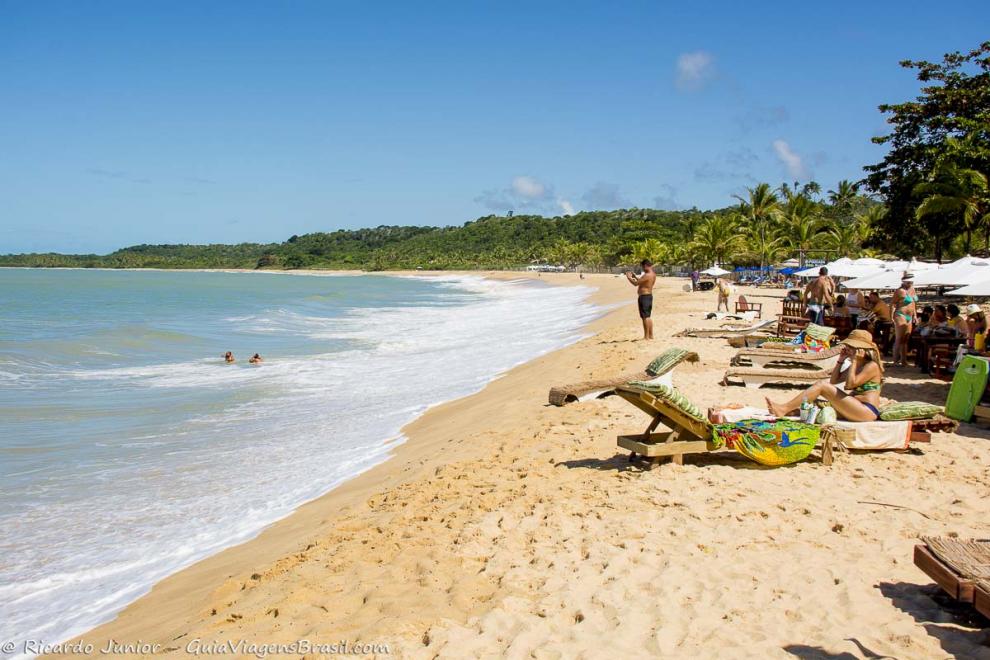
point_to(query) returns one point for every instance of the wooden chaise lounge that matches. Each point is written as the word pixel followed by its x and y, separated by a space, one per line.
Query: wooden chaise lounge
pixel 787 357
pixel 758 377
pixel 688 434
pixel 596 389
pixel 727 333
pixel 960 567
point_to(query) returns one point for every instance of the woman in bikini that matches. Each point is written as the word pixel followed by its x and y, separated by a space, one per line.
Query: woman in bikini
pixel 863 379
pixel 905 305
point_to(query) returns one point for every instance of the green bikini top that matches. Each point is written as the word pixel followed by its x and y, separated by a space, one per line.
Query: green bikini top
pixel 868 386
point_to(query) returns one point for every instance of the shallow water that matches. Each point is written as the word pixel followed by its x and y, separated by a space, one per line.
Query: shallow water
pixel 128 449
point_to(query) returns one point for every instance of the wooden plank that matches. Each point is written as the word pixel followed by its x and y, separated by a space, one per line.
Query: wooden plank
pixel 921 436
pixel 981 601
pixel 982 413
pixel 959 588
pixel 634 443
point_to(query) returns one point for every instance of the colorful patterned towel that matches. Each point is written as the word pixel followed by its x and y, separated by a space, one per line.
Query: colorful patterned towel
pixel 768 443
pixel 671 396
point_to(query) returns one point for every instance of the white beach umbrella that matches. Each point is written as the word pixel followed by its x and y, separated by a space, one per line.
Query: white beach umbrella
pixel 869 261
pixel 882 280
pixel 715 271
pixel 981 288
pixel 962 272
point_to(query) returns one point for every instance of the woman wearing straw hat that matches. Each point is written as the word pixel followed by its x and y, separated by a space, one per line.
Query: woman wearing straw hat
pixel 861 399
pixel 904 304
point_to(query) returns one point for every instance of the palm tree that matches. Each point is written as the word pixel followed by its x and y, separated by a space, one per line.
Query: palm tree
pixel 844 239
pixel 651 249
pixel 843 195
pixel 956 192
pixel 761 208
pixel 767 249
pixel 811 189
pixel 717 239
pixel 801 226
pixel 865 222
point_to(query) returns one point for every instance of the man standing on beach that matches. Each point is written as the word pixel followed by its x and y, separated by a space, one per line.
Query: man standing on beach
pixel 820 292
pixel 644 287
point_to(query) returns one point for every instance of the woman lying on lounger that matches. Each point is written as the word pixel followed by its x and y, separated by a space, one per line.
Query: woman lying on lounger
pixel 860 401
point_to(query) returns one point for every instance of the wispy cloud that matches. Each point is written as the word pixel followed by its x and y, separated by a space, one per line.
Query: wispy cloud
pixel 604 197
pixel 791 161
pixel 695 70
pixel 667 199
pixel 524 193
pixel 116 174
pixel 733 165
pixel 756 118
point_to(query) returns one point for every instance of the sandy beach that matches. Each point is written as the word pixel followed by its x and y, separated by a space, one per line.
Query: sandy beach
pixel 507 527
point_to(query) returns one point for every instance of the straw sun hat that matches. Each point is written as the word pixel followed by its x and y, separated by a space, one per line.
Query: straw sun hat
pixel 860 339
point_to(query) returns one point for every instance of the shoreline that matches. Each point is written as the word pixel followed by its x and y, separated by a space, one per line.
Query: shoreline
pixel 505 526
pixel 344 495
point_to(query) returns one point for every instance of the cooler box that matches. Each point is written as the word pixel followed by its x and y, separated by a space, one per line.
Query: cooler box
pixel 967 388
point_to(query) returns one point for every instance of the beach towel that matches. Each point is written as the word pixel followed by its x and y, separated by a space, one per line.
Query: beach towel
pixel 876 435
pixel 771 443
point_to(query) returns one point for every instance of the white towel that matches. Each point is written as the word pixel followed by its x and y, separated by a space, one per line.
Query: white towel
pixel 877 435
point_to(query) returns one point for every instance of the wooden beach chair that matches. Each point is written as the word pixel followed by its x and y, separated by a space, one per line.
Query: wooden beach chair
pixel 763 358
pixel 742 305
pixel 958 566
pixel 727 333
pixel 662 365
pixel 981 597
pixel 758 377
pixel 690 432
pixel 791 320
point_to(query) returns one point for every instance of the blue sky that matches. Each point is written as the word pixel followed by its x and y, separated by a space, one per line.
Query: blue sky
pixel 182 122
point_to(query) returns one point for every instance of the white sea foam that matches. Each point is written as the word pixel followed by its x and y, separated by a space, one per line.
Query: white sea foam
pixel 157 499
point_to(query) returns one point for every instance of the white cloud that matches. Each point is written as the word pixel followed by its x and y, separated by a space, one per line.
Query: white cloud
pixel 695 69
pixel 566 206
pixel 791 161
pixel 528 187
pixel 604 197
pixel 524 193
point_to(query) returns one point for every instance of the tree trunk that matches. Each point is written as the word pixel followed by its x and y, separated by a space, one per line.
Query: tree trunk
pixel 969 240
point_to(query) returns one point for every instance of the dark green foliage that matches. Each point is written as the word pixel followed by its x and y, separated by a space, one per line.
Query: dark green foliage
pixel 488 242
pixel 954 106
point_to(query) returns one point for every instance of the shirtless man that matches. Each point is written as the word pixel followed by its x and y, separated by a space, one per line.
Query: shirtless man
pixel 819 293
pixel 644 287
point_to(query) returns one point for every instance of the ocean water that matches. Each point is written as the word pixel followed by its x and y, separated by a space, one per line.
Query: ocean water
pixel 128 449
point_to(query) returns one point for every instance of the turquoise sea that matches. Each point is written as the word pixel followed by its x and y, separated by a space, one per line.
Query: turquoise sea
pixel 128 449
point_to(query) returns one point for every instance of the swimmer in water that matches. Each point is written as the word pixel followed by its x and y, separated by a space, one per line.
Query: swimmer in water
pixel 228 357
pixel 255 359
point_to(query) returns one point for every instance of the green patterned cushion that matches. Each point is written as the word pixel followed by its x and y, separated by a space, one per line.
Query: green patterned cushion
pixel 819 332
pixel 900 410
pixel 671 396
pixel 666 361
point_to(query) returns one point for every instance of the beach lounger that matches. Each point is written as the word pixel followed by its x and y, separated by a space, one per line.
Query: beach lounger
pixel 690 432
pixel 757 377
pixel 770 443
pixel 760 357
pixel 726 333
pixel 660 367
pixel 959 566
pixel 981 597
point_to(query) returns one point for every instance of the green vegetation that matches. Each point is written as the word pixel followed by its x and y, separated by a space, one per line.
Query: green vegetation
pixel 930 198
